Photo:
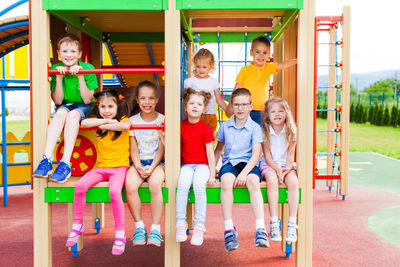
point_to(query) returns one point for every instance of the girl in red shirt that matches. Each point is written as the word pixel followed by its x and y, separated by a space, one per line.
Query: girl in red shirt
pixel 198 164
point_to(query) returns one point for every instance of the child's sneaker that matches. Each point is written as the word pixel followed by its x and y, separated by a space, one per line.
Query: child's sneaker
pixel 139 237
pixel 74 236
pixel 275 234
pixel 261 238
pixel 118 248
pixel 154 238
pixel 197 237
pixel 61 173
pixel 291 234
pixel 44 169
pixel 231 242
pixel 181 227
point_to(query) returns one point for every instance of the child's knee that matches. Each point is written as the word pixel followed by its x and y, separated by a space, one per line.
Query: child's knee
pixel 155 186
pixel 115 194
pixel 199 187
pixel 73 115
pixel 272 179
pixel 60 115
pixel 80 188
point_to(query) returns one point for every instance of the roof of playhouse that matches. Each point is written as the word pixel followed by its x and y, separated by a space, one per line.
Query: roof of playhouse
pixel 14 33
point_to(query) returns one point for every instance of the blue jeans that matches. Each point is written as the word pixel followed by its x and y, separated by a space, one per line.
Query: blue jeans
pixel 196 174
pixel 257 116
pixel 81 108
pixel 235 170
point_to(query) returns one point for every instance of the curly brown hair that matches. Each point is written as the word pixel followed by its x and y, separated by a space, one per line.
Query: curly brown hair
pixel 188 92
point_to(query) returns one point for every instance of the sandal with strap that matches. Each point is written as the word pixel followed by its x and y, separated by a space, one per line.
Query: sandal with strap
pixel 72 240
pixel 118 249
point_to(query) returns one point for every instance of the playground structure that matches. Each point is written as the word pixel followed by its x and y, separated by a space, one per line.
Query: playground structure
pixel 292 37
pixel 337 153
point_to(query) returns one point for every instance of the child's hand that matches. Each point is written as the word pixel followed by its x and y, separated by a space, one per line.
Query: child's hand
pixel 107 121
pixel 140 170
pixel 240 180
pixel 62 70
pixel 229 112
pixel 212 181
pixel 279 173
pixel 147 170
pixel 74 69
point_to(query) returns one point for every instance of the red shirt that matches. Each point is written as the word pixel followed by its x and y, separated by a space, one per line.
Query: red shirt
pixel 194 137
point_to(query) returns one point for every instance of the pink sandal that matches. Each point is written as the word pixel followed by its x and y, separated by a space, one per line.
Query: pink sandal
pixel 74 239
pixel 118 249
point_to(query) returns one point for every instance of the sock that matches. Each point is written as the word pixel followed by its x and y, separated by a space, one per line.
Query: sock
pixel 67 162
pixel 155 227
pixel 274 219
pixel 292 220
pixel 228 224
pixel 260 224
pixel 119 234
pixel 139 224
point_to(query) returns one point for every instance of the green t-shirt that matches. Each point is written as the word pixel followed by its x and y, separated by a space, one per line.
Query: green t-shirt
pixel 70 83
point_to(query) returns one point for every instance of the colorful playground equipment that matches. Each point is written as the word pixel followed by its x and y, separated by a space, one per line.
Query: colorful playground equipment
pixel 337 154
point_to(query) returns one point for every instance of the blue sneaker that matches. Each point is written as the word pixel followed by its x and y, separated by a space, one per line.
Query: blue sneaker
pixel 231 242
pixel 154 238
pixel 61 173
pixel 261 238
pixel 44 169
pixel 139 237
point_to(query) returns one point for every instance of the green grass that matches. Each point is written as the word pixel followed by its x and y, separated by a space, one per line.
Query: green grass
pixel 365 137
pixel 19 128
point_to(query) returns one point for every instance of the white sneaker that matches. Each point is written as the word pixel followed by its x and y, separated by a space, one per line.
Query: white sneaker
pixel 275 234
pixel 291 234
pixel 181 227
pixel 197 237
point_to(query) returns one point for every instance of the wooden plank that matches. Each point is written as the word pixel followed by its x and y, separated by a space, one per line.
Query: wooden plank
pixel 98 212
pixel 305 85
pixel 289 89
pixel 345 95
pixel 278 57
pixel 331 119
pixel 172 115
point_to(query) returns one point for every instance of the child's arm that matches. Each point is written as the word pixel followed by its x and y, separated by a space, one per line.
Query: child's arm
pixel 220 100
pixel 271 163
pixel 157 159
pixel 58 94
pixel 290 157
pixel 86 94
pixel 286 64
pixel 255 157
pixel 218 151
pixel 135 157
pixel 117 126
pixel 95 122
pixel 211 162
pixel 229 112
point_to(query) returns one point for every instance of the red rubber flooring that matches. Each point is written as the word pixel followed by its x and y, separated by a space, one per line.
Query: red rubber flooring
pixel 341 236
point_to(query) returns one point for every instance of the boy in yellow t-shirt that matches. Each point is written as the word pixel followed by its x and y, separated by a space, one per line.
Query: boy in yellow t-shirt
pixel 255 76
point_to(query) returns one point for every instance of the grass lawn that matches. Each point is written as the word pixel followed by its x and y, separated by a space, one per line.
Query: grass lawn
pixel 364 137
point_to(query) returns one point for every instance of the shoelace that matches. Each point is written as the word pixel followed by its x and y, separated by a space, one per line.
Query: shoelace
pixel 261 234
pixel 292 229
pixel 230 237
pixel 139 234
pixel 155 235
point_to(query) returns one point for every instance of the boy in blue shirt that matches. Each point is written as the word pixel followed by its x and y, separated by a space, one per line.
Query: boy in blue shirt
pixel 242 138
pixel 72 93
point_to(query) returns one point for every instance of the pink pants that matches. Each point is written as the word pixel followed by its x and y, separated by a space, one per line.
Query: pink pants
pixel 116 177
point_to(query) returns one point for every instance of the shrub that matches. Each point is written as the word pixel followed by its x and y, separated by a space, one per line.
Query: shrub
pixel 379 116
pixel 364 114
pixel 386 116
pixel 371 113
pixel 393 116
pixel 352 111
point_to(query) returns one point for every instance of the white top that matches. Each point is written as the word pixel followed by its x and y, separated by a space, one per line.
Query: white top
pixel 147 140
pixel 279 146
pixel 209 85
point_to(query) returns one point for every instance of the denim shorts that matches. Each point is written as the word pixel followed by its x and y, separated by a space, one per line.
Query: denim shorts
pixel 146 162
pixel 81 108
pixel 235 170
pixel 256 116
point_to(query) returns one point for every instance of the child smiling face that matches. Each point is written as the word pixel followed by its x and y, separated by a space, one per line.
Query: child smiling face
pixel 108 107
pixel 260 53
pixel 147 99
pixel 69 53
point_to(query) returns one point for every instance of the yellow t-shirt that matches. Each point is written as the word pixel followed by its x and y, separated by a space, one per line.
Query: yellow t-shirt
pixel 113 153
pixel 255 79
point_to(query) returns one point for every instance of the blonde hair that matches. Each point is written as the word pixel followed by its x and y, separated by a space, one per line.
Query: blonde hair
pixel 204 54
pixel 188 92
pixel 289 122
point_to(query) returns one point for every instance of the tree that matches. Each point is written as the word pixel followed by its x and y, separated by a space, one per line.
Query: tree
pixel 365 114
pixel 379 116
pixel 371 113
pixel 382 86
pixel 352 111
pixel 353 90
pixel 393 116
pixel 386 116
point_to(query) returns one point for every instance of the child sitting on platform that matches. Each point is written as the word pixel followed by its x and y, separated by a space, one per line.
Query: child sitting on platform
pixel 202 81
pixel 198 164
pixel 279 145
pixel 242 138
pixel 147 154
pixel 109 112
pixel 72 93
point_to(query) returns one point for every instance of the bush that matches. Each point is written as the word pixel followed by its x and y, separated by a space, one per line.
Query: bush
pixel 324 114
pixel 393 116
pixel 352 111
pixel 379 116
pixel 364 114
pixel 371 113
pixel 318 112
pixel 386 116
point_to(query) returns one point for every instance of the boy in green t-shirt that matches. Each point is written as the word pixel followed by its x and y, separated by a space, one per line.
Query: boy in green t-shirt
pixel 72 94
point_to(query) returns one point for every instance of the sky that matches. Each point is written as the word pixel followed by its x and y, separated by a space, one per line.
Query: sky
pixel 374 34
